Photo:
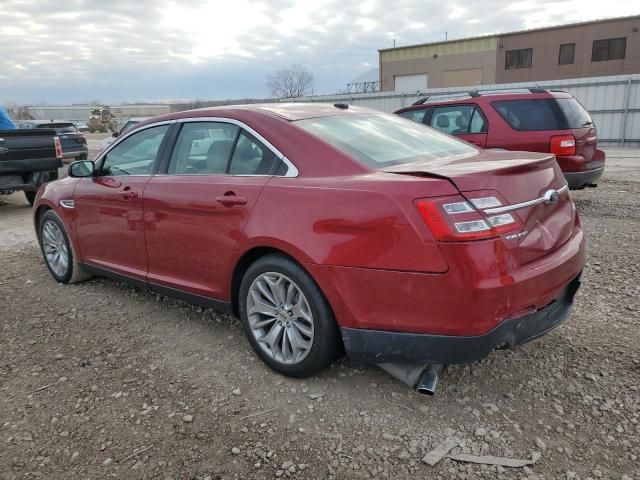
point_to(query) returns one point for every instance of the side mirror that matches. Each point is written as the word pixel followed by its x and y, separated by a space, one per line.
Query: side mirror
pixel 81 169
pixel 115 134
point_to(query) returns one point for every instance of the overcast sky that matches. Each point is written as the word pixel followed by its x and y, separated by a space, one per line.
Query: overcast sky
pixel 58 51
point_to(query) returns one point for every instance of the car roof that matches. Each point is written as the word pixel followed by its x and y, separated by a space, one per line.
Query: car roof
pixel 287 111
pixel 484 97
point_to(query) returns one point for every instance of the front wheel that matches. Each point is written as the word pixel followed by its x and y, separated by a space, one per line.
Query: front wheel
pixel 286 318
pixel 58 251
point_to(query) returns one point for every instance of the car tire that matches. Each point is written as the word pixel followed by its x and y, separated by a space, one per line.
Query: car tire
pixel 30 196
pixel 53 238
pixel 305 318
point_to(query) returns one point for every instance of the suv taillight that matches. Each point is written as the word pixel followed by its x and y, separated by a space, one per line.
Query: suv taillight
pixel 455 219
pixel 56 142
pixel 562 145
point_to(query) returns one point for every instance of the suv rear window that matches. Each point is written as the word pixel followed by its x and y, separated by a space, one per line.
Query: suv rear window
pixel 381 140
pixel 542 114
pixel 574 113
pixel 60 127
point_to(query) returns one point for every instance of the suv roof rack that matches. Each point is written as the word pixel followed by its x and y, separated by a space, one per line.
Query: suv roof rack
pixel 479 93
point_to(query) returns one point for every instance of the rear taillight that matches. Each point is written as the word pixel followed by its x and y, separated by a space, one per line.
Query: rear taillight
pixel 56 142
pixel 562 145
pixel 454 219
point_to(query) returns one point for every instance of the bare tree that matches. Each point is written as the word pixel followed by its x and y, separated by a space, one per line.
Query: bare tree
pixel 290 82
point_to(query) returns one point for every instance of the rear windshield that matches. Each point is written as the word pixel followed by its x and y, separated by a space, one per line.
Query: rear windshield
pixel 60 127
pixel 381 140
pixel 574 113
pixel 543 114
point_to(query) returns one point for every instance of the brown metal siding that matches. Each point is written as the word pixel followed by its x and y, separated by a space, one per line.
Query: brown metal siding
pixel 546 49
pixel 484 53
pixel 435 67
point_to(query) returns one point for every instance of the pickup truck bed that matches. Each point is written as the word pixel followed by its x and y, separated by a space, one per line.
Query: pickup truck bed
pixel 28 158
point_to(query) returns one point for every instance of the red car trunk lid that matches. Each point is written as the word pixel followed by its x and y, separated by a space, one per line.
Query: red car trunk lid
pixel 518 178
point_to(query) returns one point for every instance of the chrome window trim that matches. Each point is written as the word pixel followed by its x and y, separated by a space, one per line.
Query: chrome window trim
pixel 528 203
pixel 292 171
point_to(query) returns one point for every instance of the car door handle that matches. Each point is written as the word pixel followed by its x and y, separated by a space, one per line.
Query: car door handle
pixel 128 194
pixel 229 200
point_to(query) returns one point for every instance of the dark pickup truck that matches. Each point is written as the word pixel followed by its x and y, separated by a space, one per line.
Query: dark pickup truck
pixel 28 158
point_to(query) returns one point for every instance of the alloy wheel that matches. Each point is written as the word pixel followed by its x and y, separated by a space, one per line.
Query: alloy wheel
pixel 55 248
pixel 280 318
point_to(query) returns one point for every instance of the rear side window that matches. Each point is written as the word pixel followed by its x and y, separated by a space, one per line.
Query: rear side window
pixel 527 115
pixel 415 115
pixel 250 157
pixel 380 140
pixel 203 148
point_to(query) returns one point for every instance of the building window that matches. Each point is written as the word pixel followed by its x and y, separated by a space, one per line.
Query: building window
pixel 518 58
pixel 567 52
pixel 609 49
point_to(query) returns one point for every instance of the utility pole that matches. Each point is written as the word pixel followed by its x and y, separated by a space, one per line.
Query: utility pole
pixel 446 35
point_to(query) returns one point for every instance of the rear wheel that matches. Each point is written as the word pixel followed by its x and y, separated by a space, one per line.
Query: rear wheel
pixel 286 318
pixel 58 251
pixel 30 196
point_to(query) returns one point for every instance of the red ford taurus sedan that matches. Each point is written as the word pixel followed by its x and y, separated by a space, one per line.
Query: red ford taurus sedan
pixel 326 228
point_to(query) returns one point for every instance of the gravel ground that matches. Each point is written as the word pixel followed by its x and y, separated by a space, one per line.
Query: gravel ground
pixel 101 380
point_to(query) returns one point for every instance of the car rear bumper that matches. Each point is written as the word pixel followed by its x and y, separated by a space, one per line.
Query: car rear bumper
pixel 578 180
pixel 376 346
pixel 75 153
pixel 581 173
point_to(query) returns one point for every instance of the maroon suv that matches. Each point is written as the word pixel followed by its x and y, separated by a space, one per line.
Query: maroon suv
pixel 533 120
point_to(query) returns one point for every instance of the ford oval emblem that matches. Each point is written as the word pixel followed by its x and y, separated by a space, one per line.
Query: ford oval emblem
pixel 550 197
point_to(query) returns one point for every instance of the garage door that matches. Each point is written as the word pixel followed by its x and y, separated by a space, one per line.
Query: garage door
pixel 462 78
pixel 411 83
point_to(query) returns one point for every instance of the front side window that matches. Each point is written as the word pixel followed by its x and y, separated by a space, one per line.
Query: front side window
pixel 567 52
pixel 415 115
pixel 136 154
pixel 203 148
pixel 457 119
pixel 381 140
pixel 609 49
pixel 251 157
pixel 522 58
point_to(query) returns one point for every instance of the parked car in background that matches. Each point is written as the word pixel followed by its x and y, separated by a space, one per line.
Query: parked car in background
pixel 127 126
pixel 72 140
pixel 327 228
pixel 28 158
pixel 532 120
pixel 83 127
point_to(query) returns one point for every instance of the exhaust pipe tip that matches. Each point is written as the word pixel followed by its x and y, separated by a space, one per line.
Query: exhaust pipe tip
pixel 428 382
pixel 422 378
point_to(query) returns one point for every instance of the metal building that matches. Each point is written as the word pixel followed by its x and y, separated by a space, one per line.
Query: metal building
pixel 587 49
